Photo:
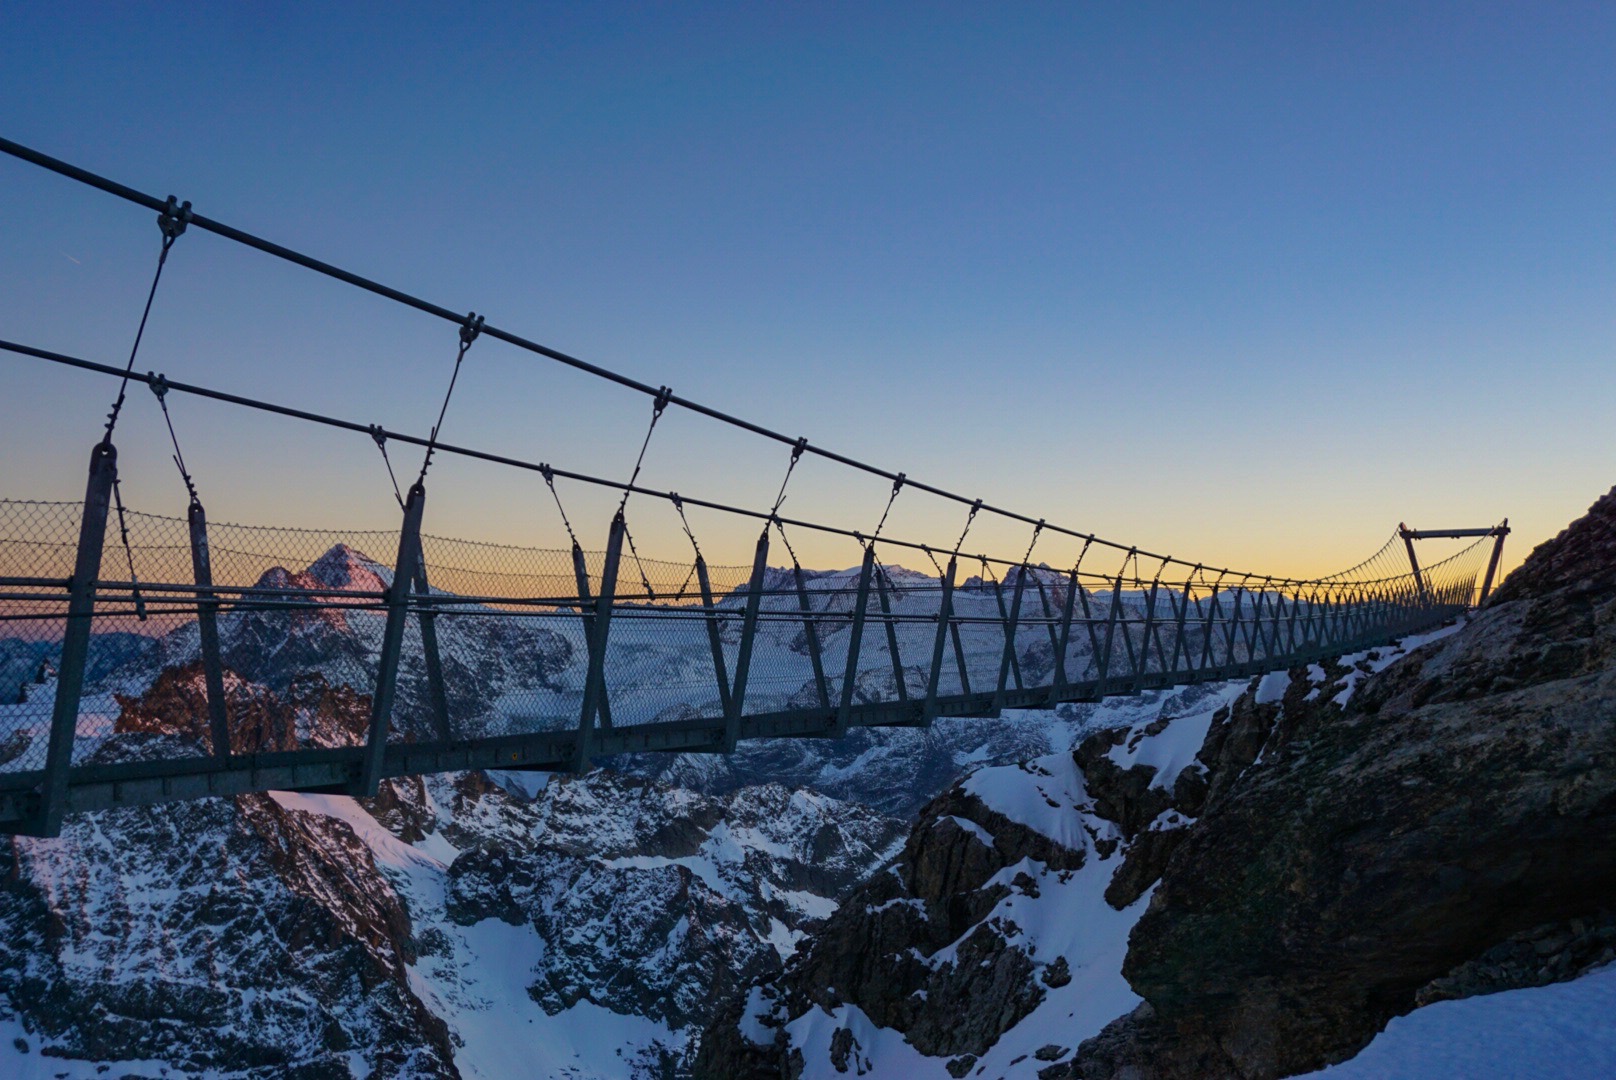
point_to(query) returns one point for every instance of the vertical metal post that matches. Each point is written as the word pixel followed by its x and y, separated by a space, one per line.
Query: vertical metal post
pixel 595 680
pixel 1492 563
pixel 76 638
pixel 812 635
pixel 743 658
pixel 945 611
pixel 892 634
pixel 1057 690
pixel 714 639
pixel 1290 627
pixel 1181 610
pixel 1414 562
pixel 1257 635
pixel 1007 662
pixel 429 645
pixel 1330 624
pixel 1213 610
pixel 1088 625
pixel 1232 631
pixel 1049 618
pixel 959 656
pixel 1110 635
pixel 1144 647
pixel 381 702
pixel 586 614
pixel 207 626
pixel 1122 623
pixel 855 640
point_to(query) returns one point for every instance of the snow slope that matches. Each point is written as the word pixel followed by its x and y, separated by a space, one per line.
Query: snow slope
pixel 1566 1031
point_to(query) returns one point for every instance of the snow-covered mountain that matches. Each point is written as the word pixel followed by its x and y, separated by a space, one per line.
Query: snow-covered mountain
pixel 479 925
pixel 1254 887
pixel 457 925
pixel 782 899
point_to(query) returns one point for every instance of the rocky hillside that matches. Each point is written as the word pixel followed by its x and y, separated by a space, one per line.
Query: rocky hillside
pixel 1400 851
pixel 1253 892
pixel 457 926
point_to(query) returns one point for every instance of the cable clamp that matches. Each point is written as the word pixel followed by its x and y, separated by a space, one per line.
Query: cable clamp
pixel 547 472
pixel 379 434
pixel 796 451
pixel 173 218
pixel 470 328
pixel 678 503
pixel 158 384
pixel 664 395
pixel 897 485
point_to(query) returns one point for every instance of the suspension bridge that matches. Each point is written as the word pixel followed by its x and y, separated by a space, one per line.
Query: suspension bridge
pixel 147 658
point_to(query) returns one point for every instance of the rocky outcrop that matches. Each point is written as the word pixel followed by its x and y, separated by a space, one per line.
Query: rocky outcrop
pixel 1424 841
pixel 310 712
pixel 657 901
pixel 231 935
pixel 938 945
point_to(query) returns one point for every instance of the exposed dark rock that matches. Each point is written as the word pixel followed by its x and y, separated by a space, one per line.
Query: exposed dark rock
pixel 1410 846
pixel 102 968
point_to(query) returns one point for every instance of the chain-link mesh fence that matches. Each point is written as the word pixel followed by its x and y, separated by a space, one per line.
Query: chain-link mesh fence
pixel 496 637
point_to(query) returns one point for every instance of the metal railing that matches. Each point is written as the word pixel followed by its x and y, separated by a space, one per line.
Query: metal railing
pixel 238 658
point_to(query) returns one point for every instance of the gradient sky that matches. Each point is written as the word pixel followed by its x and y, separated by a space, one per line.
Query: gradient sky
pixel 1246 284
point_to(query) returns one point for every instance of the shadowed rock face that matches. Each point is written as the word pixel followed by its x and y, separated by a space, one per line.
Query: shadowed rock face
pixel 230 935
pixel 1406 848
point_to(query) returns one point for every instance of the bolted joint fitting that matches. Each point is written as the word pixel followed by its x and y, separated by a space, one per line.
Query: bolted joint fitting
pixel 173 219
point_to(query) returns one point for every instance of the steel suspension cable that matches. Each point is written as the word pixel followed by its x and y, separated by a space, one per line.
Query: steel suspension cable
pixel 172 220
pixel 159 388
pixel 469 330
pixel 373 431
pixel 549 480
pixel 218 228
pixel 379 435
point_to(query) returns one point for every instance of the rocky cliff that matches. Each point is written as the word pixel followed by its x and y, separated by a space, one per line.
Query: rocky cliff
pixel 1457 812
pixel 1275 878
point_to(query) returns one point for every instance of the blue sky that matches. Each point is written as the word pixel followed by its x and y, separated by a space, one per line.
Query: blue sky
pixel 1247 284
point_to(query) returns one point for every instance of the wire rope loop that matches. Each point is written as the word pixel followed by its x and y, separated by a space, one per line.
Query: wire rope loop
pixel 159 387
pixel 549 480
pixel 470 327
pixel 645 582
pixel 780 498
pixel 970 517
pixel 378 435
pixel 1078 565
pixel 172 222
pixel 664 395
pixel 679 505
pixel 897 486
pixel 129 553
pixel 1036 530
